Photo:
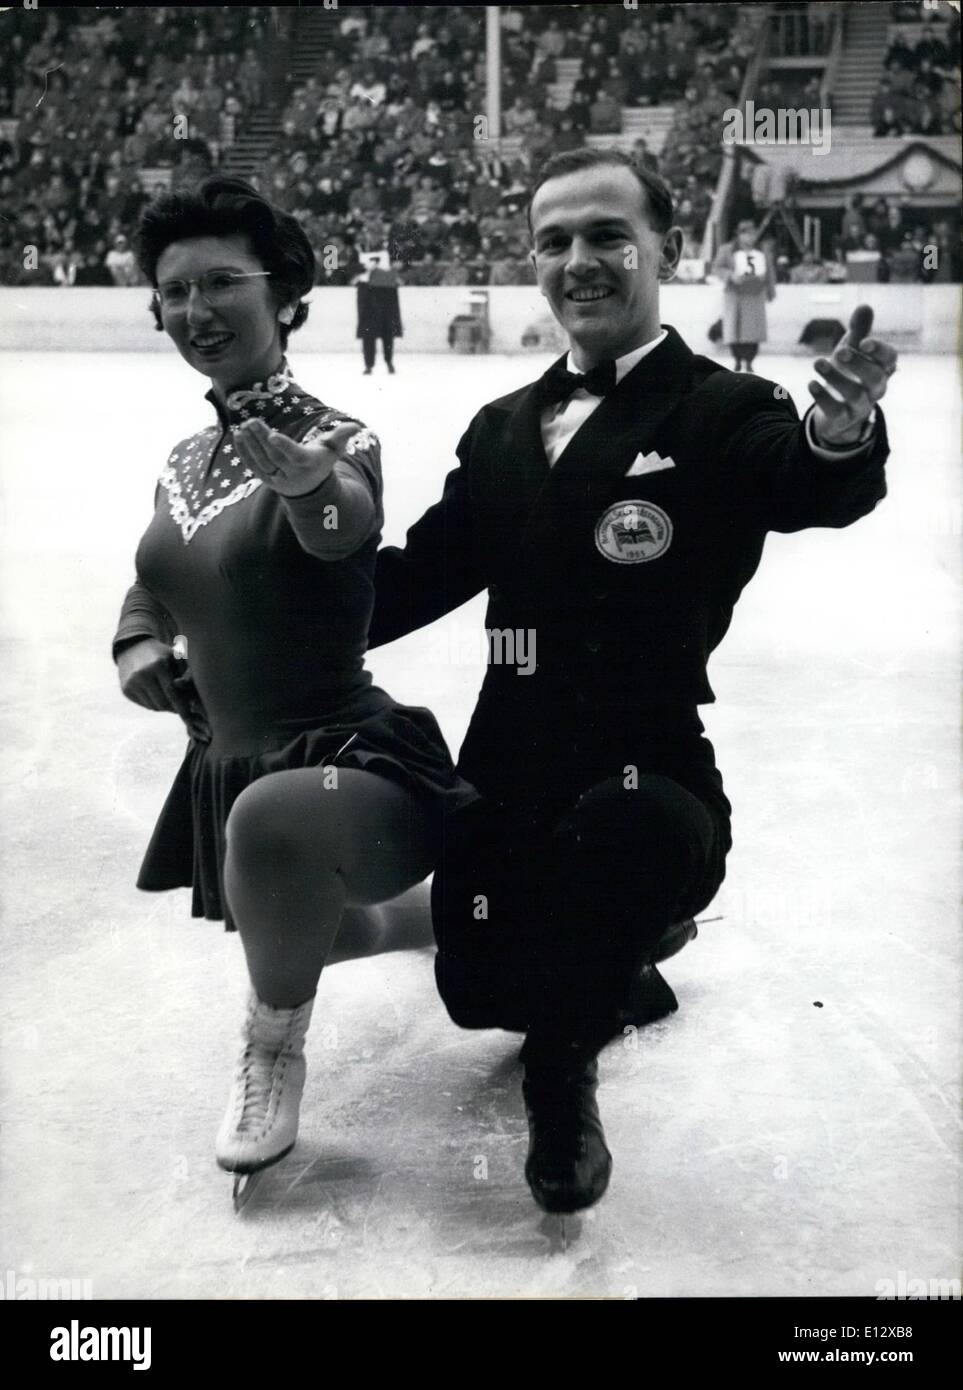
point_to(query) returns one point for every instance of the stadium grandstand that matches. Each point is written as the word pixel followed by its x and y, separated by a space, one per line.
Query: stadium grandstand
pixel 416 130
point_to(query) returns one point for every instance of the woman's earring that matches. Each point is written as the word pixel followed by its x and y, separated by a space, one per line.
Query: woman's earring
pixel 286 316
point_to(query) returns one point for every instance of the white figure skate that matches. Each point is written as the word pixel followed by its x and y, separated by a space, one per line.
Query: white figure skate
pixel 260 1125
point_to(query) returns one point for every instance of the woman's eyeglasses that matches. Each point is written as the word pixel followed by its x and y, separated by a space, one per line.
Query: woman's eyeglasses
pixel 217 288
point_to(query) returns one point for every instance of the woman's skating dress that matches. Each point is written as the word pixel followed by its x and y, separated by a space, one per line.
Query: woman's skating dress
pixel 276 636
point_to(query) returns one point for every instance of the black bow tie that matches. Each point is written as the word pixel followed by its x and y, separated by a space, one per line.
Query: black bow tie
pixel 558 384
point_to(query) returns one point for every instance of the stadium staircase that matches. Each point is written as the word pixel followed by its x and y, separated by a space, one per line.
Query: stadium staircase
pixel 865 40
pixel 253 145
pixel 650 123
pixel 290 62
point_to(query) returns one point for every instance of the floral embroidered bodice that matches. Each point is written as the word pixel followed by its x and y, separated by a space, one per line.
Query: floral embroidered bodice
pixel 275 620
pixel 204 473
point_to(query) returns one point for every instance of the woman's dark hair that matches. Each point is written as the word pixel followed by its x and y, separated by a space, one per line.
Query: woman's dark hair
pixel 658 198
pixel 223 206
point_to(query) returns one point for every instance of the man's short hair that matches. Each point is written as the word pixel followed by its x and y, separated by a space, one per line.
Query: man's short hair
pixel 658 202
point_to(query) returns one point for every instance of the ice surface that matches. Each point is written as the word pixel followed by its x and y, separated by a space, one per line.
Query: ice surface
pixel 763 1144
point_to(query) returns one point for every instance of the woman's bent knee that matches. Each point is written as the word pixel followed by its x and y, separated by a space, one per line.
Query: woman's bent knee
pixel 267 823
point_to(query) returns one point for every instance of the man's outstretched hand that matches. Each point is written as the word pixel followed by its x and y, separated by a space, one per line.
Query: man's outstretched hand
pixel 858 371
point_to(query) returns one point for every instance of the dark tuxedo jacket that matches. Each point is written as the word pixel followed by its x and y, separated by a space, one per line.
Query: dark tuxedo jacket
pixel 628 581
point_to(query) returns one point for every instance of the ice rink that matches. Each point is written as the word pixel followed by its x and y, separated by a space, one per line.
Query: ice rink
pixel 793 1130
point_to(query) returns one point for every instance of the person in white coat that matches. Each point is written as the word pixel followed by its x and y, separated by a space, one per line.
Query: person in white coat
pixel 749 283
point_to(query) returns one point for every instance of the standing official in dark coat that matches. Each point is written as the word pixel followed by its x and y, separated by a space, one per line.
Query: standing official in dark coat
pixel 379 316
pixel 614 510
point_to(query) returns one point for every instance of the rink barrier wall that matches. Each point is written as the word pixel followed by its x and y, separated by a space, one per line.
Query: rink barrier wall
pixel 923 318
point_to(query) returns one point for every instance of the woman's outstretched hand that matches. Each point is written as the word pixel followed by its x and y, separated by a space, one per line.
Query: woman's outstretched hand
pixel 148 676
pixel 290 469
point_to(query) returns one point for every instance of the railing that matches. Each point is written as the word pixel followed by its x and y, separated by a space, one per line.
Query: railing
pixel 800 32
pixel 276 49
pixel 722 197
pixel 827 84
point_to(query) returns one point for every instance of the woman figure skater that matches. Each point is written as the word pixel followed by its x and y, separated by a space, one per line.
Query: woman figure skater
pixel 307 794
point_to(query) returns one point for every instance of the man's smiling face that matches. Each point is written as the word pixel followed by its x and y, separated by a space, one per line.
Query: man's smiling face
pixel 597 257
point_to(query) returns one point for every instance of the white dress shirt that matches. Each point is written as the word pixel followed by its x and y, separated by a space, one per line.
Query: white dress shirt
pixel 560 422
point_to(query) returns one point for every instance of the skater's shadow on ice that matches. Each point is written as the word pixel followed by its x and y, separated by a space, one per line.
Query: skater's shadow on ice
pixel 506 1068
pixel 304 1182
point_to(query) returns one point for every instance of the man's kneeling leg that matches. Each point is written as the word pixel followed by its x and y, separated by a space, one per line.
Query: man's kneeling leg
pixel 625 865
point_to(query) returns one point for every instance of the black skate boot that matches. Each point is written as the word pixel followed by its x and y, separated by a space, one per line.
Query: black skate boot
pixel 651 998
pixel 569 1164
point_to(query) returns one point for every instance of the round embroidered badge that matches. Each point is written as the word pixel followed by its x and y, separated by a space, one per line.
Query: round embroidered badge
pixel 632 532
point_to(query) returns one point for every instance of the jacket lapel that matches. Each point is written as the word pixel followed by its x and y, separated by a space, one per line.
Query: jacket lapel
pixel 516 471
pixel 523 469
pixel 598 455
pixel 627 421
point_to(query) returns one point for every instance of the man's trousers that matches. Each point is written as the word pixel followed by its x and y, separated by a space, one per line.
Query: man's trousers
pixel 546 911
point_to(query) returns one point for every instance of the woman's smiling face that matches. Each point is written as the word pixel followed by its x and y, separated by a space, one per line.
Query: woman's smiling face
pixel 234 343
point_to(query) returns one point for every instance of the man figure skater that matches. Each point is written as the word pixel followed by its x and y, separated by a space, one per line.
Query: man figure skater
pixel 614 510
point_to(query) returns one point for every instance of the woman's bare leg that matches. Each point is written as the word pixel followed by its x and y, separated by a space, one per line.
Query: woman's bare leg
pixel 301 851
pixel 404 924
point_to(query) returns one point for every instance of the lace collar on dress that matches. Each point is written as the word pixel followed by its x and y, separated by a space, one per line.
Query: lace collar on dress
pixel 197 490
pixel 249 401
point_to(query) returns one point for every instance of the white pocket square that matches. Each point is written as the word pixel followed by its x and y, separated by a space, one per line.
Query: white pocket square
pixel 649 463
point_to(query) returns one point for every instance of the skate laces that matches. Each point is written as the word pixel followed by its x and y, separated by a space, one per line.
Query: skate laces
pixel 272 1037
pixel 257 1085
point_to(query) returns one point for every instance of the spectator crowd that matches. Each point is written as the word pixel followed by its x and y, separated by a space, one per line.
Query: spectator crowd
pixel 384 146
pixel 919 89
pixel 380 147
pixel 89 100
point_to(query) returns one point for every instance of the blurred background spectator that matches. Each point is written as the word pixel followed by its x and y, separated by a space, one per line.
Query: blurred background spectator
pixel 919 88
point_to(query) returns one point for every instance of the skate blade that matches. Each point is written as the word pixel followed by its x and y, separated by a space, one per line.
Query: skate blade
pixel 245 1186
pixel 562 1230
